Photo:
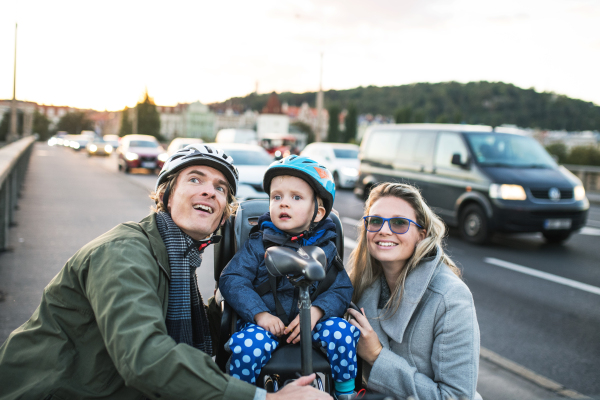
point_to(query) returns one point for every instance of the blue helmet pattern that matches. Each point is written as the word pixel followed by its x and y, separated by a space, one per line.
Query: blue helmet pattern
pixel 315 174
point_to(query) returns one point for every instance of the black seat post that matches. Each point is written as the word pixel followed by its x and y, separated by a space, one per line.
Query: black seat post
pixel 304 305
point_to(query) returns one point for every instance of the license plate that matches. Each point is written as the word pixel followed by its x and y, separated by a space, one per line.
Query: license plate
pixel 148 164
pixel 563 223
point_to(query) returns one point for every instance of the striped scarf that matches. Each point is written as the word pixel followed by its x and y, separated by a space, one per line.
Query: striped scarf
pixel 186 321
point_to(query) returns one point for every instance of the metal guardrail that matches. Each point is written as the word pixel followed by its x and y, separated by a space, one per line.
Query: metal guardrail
pixel 14 159
pixel 589 175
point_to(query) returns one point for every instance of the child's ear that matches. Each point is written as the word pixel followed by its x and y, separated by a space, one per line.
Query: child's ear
pixel 320 214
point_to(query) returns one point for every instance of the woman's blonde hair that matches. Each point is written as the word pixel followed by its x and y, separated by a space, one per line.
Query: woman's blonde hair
pixel 172 180
pixel 366 269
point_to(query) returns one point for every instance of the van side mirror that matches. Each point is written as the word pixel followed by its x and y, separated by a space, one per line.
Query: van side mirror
pixel 456 160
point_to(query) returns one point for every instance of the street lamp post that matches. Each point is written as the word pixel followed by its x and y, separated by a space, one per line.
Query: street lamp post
pixel 13 135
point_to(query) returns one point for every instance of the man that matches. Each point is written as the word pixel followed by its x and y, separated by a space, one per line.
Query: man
pixel 123 319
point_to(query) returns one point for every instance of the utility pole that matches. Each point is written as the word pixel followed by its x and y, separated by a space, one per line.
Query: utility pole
pixel 319 131
pixel 13 106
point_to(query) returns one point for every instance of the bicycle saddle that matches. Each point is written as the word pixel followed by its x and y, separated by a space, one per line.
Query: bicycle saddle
pixel 309 262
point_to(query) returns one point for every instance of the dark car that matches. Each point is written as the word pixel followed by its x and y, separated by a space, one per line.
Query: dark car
pixel 476 178
pixel 140 151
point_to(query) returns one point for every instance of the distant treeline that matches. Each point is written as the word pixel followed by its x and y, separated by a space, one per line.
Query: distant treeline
pixel 489 103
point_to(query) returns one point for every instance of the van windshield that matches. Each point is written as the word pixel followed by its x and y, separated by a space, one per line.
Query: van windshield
pixel 506 150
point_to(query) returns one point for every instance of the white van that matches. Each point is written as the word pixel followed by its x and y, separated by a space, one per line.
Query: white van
pixel 247 136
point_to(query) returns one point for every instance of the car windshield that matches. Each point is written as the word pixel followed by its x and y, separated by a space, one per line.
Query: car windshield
pixel 345 153
pixel 506 150
pixel 143 143
pixel 249 157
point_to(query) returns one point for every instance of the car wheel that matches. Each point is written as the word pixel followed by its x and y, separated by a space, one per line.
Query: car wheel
pixel 120 167
pixel 336 180
pixel 474 226
pixel 556 237
pixel 127 169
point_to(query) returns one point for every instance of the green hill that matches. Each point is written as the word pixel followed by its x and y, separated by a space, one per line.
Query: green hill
pixel 489 103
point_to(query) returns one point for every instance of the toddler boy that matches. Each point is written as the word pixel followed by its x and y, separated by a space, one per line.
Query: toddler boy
pixel 301 196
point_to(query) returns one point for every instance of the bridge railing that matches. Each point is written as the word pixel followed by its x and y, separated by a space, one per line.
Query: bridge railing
pixel 589 175
pixel 14 159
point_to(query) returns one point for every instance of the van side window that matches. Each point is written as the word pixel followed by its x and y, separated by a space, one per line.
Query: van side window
pixel 424 150
pixel 449 144
pixel 383 146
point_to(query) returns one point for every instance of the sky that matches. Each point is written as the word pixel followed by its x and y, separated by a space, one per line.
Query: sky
pixel 104 54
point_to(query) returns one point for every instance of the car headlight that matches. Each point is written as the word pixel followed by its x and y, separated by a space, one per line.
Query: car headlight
pixel 51 142
pixel 163 157
pixel 108 148
pixel 93 148
pixel 579 192
pixel 75 145
pixel 507 192
pixel 131 156
pixel 350 171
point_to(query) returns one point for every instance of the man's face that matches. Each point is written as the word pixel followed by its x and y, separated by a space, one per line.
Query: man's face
pixel 197 203
pixel 292 204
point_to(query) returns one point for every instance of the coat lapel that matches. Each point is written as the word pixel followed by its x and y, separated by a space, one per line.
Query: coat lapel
pixel 414 288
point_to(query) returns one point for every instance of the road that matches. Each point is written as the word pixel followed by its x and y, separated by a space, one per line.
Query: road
pixel 537 305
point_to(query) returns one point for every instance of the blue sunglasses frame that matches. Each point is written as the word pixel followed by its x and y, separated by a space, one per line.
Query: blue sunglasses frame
pixel 410 221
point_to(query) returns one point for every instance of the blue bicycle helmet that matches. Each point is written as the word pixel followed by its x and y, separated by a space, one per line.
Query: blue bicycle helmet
pixel 315 174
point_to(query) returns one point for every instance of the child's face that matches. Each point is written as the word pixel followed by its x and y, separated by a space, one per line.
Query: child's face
pixel 292 204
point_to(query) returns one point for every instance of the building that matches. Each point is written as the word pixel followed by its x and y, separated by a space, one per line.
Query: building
pixel 230 119
pixel 187 120
pixel 272 119
pixel 26 107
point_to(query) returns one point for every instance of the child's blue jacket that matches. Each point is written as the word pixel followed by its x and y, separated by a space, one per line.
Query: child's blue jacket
pixel 247 270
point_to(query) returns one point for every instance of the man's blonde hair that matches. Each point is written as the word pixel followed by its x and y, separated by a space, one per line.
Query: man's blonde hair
pixel 157 196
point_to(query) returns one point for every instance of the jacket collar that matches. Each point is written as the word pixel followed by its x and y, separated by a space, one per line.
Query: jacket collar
pixel 414 288
pixel 159 250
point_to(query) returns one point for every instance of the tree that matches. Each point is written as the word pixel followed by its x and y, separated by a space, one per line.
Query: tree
pixel 351 124
pixel 559 150
pixel 40 125
pixel 333 134
pixel 148 120
pixel 5 124
pixel 403 115
pixel 74 123
pixel 126 126
pixel 305 128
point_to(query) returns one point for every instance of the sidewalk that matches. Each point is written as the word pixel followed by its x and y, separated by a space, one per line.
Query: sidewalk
pixel 68 200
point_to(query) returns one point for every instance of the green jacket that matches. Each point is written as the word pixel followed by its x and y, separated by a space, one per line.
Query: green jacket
pixel 100 331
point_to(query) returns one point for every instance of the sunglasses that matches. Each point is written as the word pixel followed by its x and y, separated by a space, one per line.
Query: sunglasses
pixel 397 225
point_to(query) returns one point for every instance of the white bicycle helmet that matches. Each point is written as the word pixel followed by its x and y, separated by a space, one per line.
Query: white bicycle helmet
pixel 200 154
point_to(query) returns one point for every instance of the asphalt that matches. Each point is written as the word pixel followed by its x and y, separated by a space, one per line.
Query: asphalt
pixel 67 200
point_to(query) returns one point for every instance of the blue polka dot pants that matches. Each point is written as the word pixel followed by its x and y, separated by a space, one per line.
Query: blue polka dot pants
pixel 251 347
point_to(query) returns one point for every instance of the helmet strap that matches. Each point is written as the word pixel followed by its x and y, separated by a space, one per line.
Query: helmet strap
pixel 314 224
pixel 166 196
pixel 204 243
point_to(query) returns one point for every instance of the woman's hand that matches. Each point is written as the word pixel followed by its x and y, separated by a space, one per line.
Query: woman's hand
pixel 368 347
pixel 315 315
pixel 269 322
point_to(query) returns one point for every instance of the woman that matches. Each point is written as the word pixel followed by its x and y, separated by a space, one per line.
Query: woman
pixel 420 336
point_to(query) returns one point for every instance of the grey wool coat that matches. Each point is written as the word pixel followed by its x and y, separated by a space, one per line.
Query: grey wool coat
pixel 431 343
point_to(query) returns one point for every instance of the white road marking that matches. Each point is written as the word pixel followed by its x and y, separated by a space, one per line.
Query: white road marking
pixel 349 243
pixel 586 230
pixel 350 221
pixel 543 275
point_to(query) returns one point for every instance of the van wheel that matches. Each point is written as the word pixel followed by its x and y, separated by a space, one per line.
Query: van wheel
pixel 556 237
pixel 474 225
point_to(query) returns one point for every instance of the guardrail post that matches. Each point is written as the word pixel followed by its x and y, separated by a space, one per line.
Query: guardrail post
pixel 4 215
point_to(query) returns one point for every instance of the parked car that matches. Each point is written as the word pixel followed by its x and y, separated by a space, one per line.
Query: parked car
pixel 252 162
pixel 247 136
pixel 140 151
pixel 113 140
pixel 479 179
pixel 99 147
pixel 76 142
pixel 340 158
pixel 180 143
